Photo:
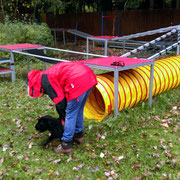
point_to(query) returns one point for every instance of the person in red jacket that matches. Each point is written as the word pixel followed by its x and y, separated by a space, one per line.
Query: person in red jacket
pixel 68 84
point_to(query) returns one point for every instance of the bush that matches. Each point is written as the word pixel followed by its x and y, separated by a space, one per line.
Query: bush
pixel 14 32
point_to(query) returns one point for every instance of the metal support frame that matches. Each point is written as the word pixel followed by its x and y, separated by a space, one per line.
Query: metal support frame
pixel 151 84
pixel 45 63
pixel 55 34
pixel 116 80
pixel 150 43
pixel 164 51
pixel 123 39
pixel 13 67
pixel 97 39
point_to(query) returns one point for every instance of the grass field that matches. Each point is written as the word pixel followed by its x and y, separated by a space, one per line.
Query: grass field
pixel 141 143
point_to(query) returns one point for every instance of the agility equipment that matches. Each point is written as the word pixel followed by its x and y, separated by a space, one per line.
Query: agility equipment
pixel 133 87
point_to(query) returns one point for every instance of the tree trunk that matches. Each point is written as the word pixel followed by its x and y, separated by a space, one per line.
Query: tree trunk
pixel 177 3
pixel 151 4
pixel 2 9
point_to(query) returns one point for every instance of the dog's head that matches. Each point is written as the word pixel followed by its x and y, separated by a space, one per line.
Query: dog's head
pixel 46 123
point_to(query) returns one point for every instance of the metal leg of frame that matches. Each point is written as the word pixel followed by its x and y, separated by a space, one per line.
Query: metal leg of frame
pixel 28 63
pixel 64 38
pixel 13 75
pixel 105 49
pixel 45 64
pixel 124 42
pixel 151 85
pixel 116 80
pixel 55 36
pixel 87 47
pixel 178 49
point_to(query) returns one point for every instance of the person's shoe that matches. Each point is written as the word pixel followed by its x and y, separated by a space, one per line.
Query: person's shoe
pixel 79 138
pixel 65 148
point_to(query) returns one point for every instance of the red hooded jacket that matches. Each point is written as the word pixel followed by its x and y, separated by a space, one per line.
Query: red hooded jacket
pixel 66 80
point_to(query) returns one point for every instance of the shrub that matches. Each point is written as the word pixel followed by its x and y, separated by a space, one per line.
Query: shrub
pixel 13 32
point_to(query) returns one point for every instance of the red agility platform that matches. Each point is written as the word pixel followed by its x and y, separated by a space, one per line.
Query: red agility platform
pixel 108 61
pixel 19 46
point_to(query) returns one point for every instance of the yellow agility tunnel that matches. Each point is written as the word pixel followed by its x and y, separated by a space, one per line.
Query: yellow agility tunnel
pixel 133 87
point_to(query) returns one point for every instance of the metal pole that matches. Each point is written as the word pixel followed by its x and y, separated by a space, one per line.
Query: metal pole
pixel 45 63
pixel 102 26
pixel 151 85
pixel 13 67
pixel 116 80
pixel 64 38
pixel 75 41
pixel 178 38
pixel 105 49
pixel 55 36
pixel 87 47
pixel 124 41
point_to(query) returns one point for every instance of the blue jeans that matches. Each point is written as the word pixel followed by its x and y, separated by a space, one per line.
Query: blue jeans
pixel 74 116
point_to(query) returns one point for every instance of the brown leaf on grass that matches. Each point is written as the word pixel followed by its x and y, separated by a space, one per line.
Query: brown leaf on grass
pixel 178 175
pixel 166 116
pixel 78 167
pixel 165 125
pixel 138 177
pixel 57 173
pixel 162 141
pixel 57 161
pixel 30 144
pixel 135 166
pixel 1 172
pixel 2 160
pixel 39 171
pixel 25 168
pixel 157 117
pixel 5 147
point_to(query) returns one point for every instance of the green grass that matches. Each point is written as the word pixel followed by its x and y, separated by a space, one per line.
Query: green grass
pixel 133 145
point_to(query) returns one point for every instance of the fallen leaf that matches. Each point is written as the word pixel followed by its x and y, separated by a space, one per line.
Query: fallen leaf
pixel 138 177
pixel 56 173
pixel 39 171
pixel 5 147
pixel 2 160
pixel 165 125
pixel 135 166
pixel 1 172
pixel 30 145
pixel 57 161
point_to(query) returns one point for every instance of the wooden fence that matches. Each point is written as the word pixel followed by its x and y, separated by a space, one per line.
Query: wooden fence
pixel 130 22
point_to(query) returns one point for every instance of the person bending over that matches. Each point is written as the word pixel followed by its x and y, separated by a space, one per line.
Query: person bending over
pixel 68 84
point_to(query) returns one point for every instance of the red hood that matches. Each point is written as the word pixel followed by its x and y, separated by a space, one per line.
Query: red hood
pixel 34 83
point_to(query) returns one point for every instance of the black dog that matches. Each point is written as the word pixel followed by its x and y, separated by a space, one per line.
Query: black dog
pixel 54 126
